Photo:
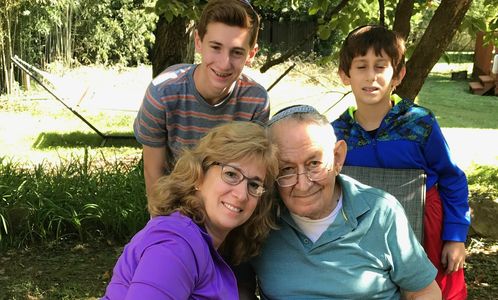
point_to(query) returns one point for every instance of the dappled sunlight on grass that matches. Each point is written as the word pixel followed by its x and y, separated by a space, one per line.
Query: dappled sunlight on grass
pixel 482 268
pixel 43 131
pixel 47 140
pixel 446 68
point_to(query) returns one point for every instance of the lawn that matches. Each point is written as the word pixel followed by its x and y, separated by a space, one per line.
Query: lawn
pixel 77 200
pixel 454 106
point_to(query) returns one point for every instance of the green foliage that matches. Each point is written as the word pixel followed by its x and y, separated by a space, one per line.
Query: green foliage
pixel 483 183
pixel 170 9
pixel 91 31
pixel 82 198
pixel 482 16
pixel 114 32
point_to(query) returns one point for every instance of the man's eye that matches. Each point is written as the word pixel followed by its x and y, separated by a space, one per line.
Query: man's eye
pixel 287 171
pixel 315 164
pixel 238 53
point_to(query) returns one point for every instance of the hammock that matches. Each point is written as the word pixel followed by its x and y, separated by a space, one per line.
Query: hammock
pixel 32 71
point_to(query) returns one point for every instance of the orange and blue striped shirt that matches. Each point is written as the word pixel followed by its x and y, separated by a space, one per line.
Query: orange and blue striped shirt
pixel 175 115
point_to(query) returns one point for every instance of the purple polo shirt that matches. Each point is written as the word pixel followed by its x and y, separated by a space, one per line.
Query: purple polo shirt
pixel 171 258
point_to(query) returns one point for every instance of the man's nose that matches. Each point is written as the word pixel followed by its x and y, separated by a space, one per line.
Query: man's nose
pixel 224 60
pixel 303 181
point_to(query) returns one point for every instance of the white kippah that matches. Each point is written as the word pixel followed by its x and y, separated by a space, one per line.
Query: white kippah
pixel 290 110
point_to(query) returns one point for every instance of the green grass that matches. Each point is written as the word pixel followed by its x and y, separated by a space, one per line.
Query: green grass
pixel 455 106
pixel 483 183
pixel 36 131
pixel 78 199
pixel 57 271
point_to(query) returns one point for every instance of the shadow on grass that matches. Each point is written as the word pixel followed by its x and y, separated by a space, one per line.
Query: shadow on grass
pixel 89 139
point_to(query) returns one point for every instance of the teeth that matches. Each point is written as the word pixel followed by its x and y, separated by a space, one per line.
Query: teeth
pixel 222 74
pixel 231 207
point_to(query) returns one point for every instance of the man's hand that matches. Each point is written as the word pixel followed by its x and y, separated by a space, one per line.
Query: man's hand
pixel 453 256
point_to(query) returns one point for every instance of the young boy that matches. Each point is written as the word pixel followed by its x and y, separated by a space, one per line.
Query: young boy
pixel 185 101
pixel 389 132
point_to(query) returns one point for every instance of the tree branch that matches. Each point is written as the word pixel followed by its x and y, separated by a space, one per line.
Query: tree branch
pixel 402 16
pixel 292 51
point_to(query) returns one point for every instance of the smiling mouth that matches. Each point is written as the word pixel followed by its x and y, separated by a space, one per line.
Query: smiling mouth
pixel 223 75
pixel 370 89
pixel 232 208
pixel 307 195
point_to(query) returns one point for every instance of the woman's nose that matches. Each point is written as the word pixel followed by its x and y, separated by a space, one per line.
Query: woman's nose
pixel 240 190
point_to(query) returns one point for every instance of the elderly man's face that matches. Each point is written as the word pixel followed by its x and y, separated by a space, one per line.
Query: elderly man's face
pixel 303 146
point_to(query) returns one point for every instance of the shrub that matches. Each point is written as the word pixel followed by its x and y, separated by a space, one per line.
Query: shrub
pixel 77 199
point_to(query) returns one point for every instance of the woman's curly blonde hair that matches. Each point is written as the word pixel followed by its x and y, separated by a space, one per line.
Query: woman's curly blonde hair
pixel 226 143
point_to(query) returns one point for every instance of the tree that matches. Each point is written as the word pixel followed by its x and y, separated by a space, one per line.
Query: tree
pixel 441 30
pixel 174 33
pixel 90 31
pixel 340 16
pixel 173 43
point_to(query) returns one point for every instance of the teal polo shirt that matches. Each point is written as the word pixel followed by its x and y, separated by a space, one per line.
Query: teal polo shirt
pixel 368 252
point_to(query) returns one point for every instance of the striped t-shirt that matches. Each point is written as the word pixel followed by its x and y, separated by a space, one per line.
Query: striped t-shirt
pixel 175 115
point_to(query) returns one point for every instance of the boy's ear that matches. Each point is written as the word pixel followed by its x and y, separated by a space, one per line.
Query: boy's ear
pixel 197 41
pixel 344 78
pixel 252 54
pixel 397 80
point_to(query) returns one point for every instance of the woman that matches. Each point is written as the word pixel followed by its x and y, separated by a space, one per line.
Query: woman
pixel 216 197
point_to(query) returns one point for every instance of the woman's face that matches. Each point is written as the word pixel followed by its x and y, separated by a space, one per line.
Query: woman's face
pixel 229 204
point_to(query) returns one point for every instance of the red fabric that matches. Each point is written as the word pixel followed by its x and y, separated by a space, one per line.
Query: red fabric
pixel 452 285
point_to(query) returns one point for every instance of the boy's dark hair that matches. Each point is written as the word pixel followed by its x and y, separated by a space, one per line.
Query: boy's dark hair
pixel 378 37
pixel 238 13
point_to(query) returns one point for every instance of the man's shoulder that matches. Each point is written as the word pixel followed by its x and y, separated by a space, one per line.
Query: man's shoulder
pixel 175 74
pixel 248 83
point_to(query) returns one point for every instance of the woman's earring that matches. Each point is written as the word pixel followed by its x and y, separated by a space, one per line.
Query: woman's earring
pixel 196 188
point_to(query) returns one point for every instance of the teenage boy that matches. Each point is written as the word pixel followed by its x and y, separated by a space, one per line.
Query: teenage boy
pixel 185 101
pixel 386 131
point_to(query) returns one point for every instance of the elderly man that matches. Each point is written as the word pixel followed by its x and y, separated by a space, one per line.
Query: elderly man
pixel 337 238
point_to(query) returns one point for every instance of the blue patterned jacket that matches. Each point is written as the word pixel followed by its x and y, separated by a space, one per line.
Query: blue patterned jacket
pixel 410 137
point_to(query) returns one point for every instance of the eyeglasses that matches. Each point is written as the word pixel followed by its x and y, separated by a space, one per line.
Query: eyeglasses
pixel 315 171
pixel 233 176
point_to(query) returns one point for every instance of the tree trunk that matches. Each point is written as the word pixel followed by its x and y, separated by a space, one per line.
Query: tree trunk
pixel 7 46
pixel 437 36
pixel 382 13
pixel 173 45
pixel 402 16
